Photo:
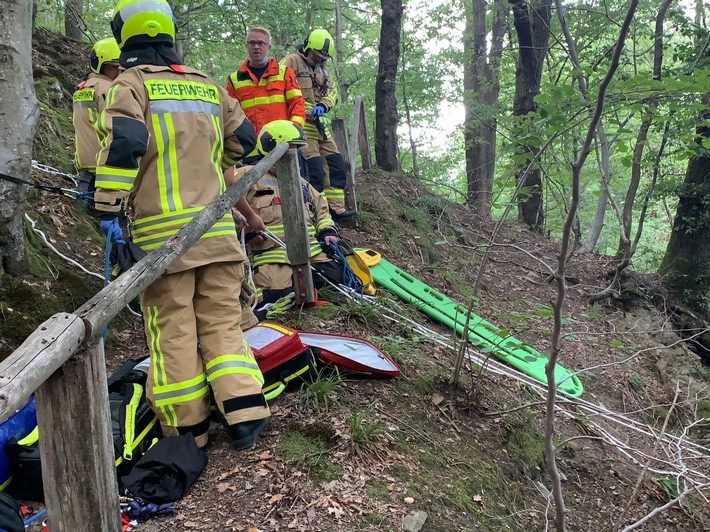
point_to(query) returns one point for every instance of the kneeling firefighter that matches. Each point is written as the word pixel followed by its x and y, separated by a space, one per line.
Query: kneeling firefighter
pixel 272 269
pixel 167 129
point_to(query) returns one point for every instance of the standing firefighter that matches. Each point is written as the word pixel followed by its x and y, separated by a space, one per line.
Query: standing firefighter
pixel 89 102
pixel 326 167
pixel 170 130
pixel 266 90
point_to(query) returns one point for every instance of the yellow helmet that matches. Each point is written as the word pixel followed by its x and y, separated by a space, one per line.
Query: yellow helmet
pixel 104 51
pixel 279 131
pixel 142 21
pixel 320 41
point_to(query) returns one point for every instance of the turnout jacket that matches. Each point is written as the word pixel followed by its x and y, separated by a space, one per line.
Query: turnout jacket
pixel 317 86
pixel 88 104
pixel 168 133
pixel 274 96
pixel 264 198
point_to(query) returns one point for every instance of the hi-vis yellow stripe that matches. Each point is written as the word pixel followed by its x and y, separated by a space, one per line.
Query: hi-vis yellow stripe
pixel 171 89
pixel 262 100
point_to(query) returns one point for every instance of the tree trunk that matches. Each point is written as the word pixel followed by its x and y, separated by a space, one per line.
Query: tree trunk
pixel 481 89
pixel 343 85
pixel 17 120
pixel 74 19
pixel 532 25
pixel 386 119
pixel 686 264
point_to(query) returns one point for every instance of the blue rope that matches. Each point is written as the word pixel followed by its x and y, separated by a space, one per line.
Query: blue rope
pixel 350 280
pixel 35 516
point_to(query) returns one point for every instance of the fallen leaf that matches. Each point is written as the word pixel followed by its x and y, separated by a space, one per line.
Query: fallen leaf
pixel 409 500
pixel 478 498
pixel 222 487
pixel 276 498
pixel 266 455
pixel 437 398
pixel 190 524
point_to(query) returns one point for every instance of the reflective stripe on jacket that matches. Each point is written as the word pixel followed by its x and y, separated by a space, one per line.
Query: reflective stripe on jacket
pixel 87 104
pixel 168 134
pixel 317 86
pixel 264 199
pixel 275 96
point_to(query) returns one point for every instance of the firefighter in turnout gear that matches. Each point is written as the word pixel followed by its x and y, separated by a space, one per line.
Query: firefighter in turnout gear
pixel 265 90
pixel 169 131
pixel 88 103
pixel 326 166
pixel 272 269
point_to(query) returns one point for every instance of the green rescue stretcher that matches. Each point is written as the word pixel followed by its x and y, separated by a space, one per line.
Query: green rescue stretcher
pixel 483 335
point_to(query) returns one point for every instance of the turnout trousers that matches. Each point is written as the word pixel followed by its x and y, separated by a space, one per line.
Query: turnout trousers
pixel 326 170
pixel 178 310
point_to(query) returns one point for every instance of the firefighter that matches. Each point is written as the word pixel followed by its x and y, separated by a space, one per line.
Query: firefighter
pixel 88 103
pixel 168 129
pixel 265 90
pixel 272 269
pixel 326 166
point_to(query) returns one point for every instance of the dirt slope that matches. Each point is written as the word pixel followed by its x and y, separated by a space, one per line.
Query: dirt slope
pixel 347 454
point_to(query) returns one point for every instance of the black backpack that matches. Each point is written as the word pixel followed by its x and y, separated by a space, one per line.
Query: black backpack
pixel 10 514
pixel 134 426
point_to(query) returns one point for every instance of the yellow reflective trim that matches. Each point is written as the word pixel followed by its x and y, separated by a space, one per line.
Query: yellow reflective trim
pixel 298 119
pixel 171 89
pixel 293 375
pixel 160 167
pixel 31 438
pixel 263 100
pixel 130 424
pixel 172 155
pixel 158 360
pixel 216 151
pixel 255 373
pixel 139 438
pixel 112 185
pixel 113 170
pixel 158 217
pixel 177 386
pixel 162 237
pixel 169 401
pixel 5 484
pixel 276 327
pixel 293 92
pixel 227 358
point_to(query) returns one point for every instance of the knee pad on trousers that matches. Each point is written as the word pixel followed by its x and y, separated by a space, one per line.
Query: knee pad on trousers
pixel 316 173
pixel 336 170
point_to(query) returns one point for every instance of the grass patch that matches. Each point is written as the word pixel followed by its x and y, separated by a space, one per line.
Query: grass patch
pixel 316 393
pixel 310 444
pixel 377 490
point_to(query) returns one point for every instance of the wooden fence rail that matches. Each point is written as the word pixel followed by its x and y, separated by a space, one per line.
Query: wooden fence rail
pixel 63 361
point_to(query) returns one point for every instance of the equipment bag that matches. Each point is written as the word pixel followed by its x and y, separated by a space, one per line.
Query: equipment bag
pixel 134 426
pixel 359 268
pixel 283 359
pixel 10 514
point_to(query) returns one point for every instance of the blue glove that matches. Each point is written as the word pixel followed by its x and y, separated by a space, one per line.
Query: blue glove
pixel 318 110
pixel 110 226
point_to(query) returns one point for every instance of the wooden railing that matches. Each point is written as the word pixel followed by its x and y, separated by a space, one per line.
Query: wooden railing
pixel 347 143
pixel 62 363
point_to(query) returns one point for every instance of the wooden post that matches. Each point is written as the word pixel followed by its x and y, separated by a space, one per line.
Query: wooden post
pixel 359 134
pixel 298 246
pixel 76 446
pixel 340 135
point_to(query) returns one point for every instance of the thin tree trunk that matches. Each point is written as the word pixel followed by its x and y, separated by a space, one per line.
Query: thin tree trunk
pixel 385 97
pixel 343 86
pixel 624 248
pixel 17 121
pixel 408 115
pixel 481 90
pixel 74 19
pixel 532 25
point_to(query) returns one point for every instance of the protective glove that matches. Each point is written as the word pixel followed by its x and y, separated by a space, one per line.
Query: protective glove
pixel 111 226
pixel 318 110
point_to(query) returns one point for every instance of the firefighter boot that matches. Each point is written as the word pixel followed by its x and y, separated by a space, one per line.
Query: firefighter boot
pixel 243 435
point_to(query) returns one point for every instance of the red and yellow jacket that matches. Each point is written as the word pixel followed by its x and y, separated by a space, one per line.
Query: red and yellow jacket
pixel 275 96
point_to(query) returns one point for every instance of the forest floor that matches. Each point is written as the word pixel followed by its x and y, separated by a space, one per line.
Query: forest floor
pixel 350 454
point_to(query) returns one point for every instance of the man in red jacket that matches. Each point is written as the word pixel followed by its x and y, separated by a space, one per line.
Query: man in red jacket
pixel 265 90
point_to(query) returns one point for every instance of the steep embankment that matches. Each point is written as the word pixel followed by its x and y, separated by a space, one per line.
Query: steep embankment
pixel 346 454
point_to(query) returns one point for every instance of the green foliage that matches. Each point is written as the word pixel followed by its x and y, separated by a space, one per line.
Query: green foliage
pixel 316 393
pixel 363 431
